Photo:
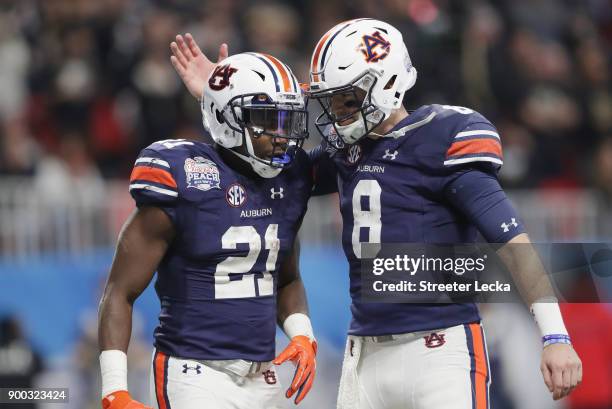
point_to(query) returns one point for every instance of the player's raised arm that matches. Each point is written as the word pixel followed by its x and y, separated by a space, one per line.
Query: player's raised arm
pixel 143 241
pixel 192 65
pixel 292 310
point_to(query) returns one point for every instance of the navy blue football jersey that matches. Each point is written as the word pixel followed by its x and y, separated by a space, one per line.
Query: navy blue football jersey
pixel 394 190
pixel 217 281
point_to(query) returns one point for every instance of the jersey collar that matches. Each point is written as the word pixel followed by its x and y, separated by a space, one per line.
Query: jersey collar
pixel 417 118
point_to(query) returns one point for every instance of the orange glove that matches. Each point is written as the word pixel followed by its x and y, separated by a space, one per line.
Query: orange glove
pixel 302 353
pixel 121 400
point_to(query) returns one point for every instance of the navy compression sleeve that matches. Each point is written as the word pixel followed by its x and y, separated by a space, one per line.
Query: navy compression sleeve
pixel 482 200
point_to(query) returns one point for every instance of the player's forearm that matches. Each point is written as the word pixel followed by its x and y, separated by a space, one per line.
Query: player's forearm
pixel 291 299
pixel 532 281
pixel 114 321
pixel 526 269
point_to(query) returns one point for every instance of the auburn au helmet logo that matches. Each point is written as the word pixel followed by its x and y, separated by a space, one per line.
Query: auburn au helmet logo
pixel 221 76
pixel 375 47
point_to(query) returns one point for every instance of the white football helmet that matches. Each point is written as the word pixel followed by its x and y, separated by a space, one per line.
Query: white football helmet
pixel 249 95
pixel 364 54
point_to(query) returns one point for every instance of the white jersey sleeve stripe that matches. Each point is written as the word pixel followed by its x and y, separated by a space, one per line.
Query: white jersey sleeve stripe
pixel 473 159
pixel 153 189
pixel 155 161
pixel 476 132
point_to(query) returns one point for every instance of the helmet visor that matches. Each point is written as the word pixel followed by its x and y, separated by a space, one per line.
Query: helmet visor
pixel 288 124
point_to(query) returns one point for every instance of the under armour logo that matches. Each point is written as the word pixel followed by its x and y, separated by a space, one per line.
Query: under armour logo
pixel 190 368
pixel 389 155
pixel 270 377
pixel 506 226
pixel 434 340
pixel 277 194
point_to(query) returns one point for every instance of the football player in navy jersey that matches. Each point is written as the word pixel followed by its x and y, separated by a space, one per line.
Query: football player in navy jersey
pixel 219 225
pixel 425 177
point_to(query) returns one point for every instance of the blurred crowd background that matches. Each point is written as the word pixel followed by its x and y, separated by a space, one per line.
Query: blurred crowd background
pixel 86 84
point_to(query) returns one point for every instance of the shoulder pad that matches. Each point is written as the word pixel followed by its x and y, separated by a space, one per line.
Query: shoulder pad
pixel 153 178
pixel 471 138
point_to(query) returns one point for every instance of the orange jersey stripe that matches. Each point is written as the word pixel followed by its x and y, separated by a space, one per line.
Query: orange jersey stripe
pixel 160 375
pixel 480 378
pixel 152 175
pixel 475 146
pixel 283 72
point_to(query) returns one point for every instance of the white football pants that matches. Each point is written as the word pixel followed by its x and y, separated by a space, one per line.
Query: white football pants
pixel 446 368
pixel 188 384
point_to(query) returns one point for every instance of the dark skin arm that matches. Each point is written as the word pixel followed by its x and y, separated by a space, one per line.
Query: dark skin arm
pixel 291 295
pixel 143 241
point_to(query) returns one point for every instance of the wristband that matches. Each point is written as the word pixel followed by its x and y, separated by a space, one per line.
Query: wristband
pixel 298 324
pixel 556 339
pixel 547 315
pixel 113 365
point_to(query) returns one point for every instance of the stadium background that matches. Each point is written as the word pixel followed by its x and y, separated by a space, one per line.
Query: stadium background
pixel 84 85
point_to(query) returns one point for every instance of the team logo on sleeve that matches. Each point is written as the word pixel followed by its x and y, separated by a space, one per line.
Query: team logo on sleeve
pixel 202 174
pixel 235 195
pixel 353 154
pixel 375 47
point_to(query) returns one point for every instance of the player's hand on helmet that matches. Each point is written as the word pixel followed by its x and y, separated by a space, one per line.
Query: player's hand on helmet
pixel 561 368
pixel 302 352
pixel 121 400
pixel 191 64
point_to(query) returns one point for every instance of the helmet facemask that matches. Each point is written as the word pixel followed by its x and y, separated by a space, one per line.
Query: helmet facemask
pixel 356 101
pixel 285 123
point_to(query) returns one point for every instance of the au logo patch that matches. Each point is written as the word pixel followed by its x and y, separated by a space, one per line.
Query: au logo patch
pixel 202 174
pixel 270 377
pixel 375 47
pixel 434 340
pixel 220 78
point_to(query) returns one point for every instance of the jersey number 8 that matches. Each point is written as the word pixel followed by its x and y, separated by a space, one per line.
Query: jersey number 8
pixel 368 219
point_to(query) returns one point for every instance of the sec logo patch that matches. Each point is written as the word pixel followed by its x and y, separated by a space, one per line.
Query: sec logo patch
pixel 353 154
pixel 235 195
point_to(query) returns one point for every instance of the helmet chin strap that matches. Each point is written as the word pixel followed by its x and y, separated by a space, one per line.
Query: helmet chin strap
pixel 351 133
pixel 354 131
pixel 263 170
